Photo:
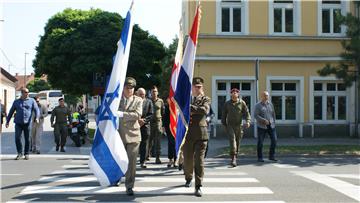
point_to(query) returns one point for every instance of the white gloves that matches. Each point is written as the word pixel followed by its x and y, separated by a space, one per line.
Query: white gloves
pixel 120 114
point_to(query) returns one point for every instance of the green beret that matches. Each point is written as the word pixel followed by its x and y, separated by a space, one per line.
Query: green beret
pixel 130 81
pixel 198 81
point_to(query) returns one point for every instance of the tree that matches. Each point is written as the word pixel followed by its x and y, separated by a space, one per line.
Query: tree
pixel 349 68
pixel 77 44
pixel 38 85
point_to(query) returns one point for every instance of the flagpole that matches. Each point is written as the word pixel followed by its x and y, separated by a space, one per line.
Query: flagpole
pixel 131 5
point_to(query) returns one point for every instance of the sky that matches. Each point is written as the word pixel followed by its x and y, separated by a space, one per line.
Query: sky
pixel 22 23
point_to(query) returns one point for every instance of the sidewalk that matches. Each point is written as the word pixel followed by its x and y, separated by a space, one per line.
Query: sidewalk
pixel 219 142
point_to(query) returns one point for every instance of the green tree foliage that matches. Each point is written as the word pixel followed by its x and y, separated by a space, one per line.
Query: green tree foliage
pixel 72 100
pixel 77 44
pixel 38 85
pixel 350 66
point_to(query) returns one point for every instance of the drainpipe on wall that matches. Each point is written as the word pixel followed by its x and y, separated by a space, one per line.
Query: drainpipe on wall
pixel 357 108
pixel 257 66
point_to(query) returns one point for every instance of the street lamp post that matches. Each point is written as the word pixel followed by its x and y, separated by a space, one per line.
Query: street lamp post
pixel 25 70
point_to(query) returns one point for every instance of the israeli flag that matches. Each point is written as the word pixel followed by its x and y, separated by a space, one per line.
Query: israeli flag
pixel 108 158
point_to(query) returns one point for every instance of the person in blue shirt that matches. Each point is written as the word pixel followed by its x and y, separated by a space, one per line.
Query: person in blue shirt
pixel 24 107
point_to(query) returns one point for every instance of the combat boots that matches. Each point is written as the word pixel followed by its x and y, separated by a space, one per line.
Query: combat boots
pixel 157 161
pixel 233 161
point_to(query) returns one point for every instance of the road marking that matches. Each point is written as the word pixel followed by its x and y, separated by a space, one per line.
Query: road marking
pixel 351 176
pixel 151 179
pixel 79 171
pixel 176 172
pixel 84 170
pixel 62 156
pixel 343 187
pixel 285 166
pixel 143 190
pixel 160 202
pixel 76 166
pixel 80 161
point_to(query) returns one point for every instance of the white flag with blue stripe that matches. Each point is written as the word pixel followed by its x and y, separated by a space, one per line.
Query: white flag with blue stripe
pixel 108 158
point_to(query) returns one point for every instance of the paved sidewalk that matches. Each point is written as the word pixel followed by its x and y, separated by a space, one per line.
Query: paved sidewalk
pixel 219 142
pixel 215 144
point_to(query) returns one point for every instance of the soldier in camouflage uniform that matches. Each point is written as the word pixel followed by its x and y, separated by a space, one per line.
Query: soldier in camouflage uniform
pixel 197 136
pixel 234 111
pixel 156 126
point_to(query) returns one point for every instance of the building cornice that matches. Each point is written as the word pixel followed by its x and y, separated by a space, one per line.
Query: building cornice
pixel 268 58
pixel 272 37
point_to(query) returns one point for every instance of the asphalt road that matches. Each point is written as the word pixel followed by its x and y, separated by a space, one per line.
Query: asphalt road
pixel 65 177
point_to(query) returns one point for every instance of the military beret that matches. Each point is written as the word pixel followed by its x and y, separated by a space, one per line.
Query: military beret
pixel 235 90
pixel 198 81
pixel 130 81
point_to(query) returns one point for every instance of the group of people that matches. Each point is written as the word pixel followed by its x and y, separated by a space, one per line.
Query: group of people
pixel 29 120
pixel 142 123
pixel 143 120
pixel 236 118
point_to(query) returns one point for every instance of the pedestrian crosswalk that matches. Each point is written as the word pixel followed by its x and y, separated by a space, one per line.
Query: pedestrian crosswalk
pixel 332 181
pixel 158 182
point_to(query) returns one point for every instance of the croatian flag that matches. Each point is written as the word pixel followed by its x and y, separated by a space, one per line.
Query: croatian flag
pixel 173 81
pixel 108 158
pixel 183 86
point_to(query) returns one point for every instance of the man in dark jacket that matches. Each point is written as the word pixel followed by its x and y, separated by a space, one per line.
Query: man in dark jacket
pixel 144 122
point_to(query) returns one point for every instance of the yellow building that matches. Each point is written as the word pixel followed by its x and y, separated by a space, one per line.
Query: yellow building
pixel 291 40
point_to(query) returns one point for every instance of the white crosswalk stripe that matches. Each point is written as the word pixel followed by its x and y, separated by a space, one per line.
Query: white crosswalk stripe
pixel 149 180
pixel 348 189
pixel 160 202
pixel 144 190
pixel 157 179
pixel 285 166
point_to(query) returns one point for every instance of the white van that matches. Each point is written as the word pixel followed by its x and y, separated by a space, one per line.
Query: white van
pixel 50 98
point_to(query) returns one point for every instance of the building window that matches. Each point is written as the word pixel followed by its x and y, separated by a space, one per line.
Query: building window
pixel 330 12
pixel 330 101
pixel 283 17
pixel 246 93
pixel 284 96
pixel 232 16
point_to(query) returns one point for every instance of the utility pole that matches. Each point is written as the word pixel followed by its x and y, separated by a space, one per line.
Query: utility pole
pixel 25 70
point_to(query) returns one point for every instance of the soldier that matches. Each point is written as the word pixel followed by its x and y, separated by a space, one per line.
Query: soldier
pixel 144 121
pixel 156 124
pixel 197 136
pixel 130 111
pixel 63 117
pixel 233 113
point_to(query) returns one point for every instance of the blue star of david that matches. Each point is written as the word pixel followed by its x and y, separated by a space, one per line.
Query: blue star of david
pixel 106 113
